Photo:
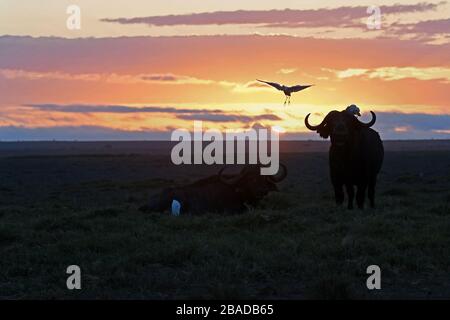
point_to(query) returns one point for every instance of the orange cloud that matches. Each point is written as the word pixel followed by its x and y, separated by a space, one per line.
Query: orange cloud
pixel 397 73
pixel 216 73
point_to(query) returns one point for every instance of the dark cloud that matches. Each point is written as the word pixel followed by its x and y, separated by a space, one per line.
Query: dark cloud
pixel 414 121
pixel 212 115
pixel 84 133
pixel 228 117
pixel 413 126
pixel 340 17
pixel 424 30
pixel 80 108
pixel 329 17
pixel 432 26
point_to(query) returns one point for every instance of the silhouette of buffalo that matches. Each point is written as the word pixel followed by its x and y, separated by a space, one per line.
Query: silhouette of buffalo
pixel 219 193
pixel 356 155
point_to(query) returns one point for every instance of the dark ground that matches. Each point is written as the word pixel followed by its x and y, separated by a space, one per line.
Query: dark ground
pixel 72 203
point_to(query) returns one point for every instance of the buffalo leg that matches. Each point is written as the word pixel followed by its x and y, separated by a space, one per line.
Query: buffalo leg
pixel 351 195
pixel 360 195
pixel 338 194
pixel 371 191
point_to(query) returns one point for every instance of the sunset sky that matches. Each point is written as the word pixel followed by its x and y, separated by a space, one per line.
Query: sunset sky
pixel 138 69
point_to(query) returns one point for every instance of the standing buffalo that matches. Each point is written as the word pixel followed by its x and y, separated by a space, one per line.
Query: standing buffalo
pixel 356 155
pixel 219 193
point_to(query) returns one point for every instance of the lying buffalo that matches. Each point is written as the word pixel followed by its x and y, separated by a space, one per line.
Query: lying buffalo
pixel 219 193
pixel 356 155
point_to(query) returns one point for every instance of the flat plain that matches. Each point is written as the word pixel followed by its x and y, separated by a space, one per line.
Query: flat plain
pixel 65 203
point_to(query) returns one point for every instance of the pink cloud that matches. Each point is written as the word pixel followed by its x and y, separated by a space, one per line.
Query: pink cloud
pixel 424 30
pixel 225 55
pixel 331 17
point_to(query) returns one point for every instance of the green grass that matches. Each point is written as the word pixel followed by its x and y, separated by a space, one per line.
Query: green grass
pixel 296 245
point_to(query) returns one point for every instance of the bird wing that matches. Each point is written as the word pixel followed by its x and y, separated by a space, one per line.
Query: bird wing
pixel 273 84
pixel 298 88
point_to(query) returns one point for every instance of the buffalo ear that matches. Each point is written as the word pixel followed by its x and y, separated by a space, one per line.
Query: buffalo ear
pixel 324 131
pixel 354 122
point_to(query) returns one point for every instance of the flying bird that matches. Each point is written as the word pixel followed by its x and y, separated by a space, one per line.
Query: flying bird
pixel 288 91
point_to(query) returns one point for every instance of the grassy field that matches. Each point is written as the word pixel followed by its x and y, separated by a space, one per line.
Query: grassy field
pixel 56 211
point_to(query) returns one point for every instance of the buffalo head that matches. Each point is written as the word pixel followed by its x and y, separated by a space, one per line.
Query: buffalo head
pixel 251 185
pixel 340 126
